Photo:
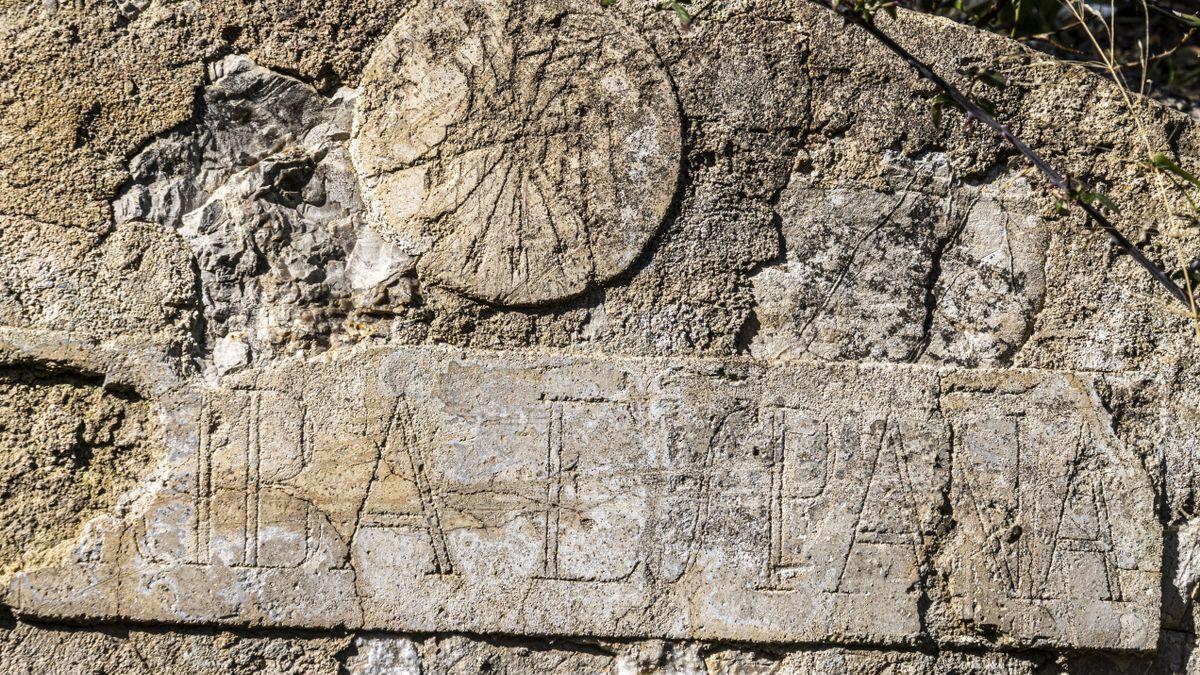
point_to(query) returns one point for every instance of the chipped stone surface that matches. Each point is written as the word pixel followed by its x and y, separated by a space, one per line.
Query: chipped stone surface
pixel 69 450
pixel 447 336
pixel 927 270
pixel 261 188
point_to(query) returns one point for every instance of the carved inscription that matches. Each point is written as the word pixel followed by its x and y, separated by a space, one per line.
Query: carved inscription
pixel 882 534
pixel 406 471
pixel 244 513
pixel 1048 535
pixel 428 489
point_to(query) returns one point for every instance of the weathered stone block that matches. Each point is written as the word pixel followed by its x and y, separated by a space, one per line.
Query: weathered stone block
pixel 425 489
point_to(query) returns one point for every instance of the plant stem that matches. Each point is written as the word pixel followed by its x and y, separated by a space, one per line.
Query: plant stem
pixel 997 7
pixel 1057 179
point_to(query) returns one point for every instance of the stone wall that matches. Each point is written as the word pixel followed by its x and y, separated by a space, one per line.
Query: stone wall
pixel 493 336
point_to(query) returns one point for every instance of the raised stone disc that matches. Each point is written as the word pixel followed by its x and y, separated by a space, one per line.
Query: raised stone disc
pixel 526 151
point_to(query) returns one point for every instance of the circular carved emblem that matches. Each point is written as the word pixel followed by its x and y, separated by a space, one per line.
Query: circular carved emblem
pixel 526 151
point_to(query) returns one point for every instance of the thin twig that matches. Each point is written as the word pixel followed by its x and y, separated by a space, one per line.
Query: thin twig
pixel 1057 179
pixel 1171 13
pixel 1186 39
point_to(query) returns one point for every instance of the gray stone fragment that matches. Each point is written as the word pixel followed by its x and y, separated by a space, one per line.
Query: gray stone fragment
pixel 261 187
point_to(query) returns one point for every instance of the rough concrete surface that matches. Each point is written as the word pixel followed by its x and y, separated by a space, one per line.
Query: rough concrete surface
pixel 535 336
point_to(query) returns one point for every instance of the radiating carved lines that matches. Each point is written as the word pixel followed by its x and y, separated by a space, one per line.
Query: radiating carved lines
pixel 527 155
